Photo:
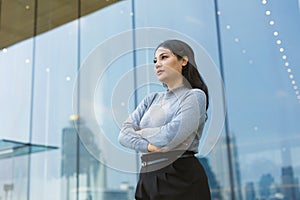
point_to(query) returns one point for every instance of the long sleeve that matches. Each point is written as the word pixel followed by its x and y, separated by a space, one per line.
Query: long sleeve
pixel 128 136
pixel 184 125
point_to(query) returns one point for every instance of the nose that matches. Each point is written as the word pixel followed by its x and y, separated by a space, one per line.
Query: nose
pixel 157 64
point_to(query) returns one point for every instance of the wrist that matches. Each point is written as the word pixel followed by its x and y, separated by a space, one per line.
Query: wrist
pixel 139 132
pixel 149 147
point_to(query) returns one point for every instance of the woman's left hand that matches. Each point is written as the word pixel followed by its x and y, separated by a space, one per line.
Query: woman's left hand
pixel 152 148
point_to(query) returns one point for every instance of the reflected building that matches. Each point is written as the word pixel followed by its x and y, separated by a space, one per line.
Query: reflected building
pixel 297 188
pixel 78 162
pixel 250 191
pixel 265 183
pixel 219 165
pixel 236 167
pixel 218 159
pixel 214 185
pixel 289 185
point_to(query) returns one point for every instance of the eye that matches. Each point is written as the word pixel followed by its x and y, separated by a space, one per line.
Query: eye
pixel 163 57
pixel 154 61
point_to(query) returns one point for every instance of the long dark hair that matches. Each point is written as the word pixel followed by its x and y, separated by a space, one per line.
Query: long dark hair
pixel 190 71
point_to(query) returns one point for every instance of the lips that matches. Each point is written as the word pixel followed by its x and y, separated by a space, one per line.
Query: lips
pixel 159 72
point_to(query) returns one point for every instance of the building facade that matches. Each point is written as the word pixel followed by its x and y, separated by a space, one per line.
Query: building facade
pixel 71 72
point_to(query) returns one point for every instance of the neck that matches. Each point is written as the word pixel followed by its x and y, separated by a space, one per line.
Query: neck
pixel 174 84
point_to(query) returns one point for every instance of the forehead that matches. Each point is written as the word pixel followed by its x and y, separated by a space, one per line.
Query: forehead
pixel 161 50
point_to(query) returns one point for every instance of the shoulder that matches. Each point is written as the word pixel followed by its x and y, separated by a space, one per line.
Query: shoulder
pixel 195 92
pixel 198 92
pixel 198 95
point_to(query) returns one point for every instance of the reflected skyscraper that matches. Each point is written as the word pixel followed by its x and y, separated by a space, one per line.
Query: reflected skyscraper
pixel 79 167
pixel 219 163
pixel 214 185
pixel 289 186
pixel 236 167
pixel 265 183
pixel 250 191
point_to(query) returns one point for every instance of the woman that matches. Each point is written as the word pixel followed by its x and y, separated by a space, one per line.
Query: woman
pixel 166 128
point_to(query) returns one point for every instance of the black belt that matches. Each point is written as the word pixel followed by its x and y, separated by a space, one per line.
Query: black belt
pixel 155 158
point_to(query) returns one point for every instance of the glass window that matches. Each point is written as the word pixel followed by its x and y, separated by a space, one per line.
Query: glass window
pixel 262 95
pixel 106 61
pixel 73 86
pixel 14 182
pixel 16 79
pixel 55 72
pixel 193 22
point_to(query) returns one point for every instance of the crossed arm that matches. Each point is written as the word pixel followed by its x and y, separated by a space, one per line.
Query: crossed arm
pixel 185 122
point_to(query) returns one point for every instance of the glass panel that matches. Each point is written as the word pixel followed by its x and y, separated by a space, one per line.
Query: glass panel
pixel 55 72
pixel 193 22
pixel 9 148
pixel 15 87
pixel 262 95
pixel 81 111
pixel 106 61
pixel 194 19
pixel 14 182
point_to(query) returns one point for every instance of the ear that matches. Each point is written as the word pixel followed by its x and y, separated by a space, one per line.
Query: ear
pixel 185 60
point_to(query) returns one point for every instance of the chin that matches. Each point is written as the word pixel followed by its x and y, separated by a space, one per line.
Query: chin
pixel 160 78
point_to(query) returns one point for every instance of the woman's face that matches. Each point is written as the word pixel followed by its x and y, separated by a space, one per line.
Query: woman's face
pixel 167 66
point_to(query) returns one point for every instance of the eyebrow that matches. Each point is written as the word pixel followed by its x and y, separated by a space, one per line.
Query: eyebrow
pixel 161 54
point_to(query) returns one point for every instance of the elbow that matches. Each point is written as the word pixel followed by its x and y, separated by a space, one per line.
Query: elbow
pixel 121 138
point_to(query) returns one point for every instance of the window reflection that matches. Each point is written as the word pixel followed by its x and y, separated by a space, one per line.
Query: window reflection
pixel 259 158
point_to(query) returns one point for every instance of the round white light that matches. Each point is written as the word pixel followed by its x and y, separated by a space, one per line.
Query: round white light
pixel 271 22
pixel 278 41
pixel 228 27
pixel 284 57
pixel 276 33
pixel 281 49
pixel 268 12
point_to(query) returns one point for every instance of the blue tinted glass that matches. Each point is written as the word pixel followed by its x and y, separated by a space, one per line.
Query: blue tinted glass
pixel 16 91
pixel 262 95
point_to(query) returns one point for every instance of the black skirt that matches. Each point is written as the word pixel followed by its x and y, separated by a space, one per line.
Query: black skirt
pixel 182 179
